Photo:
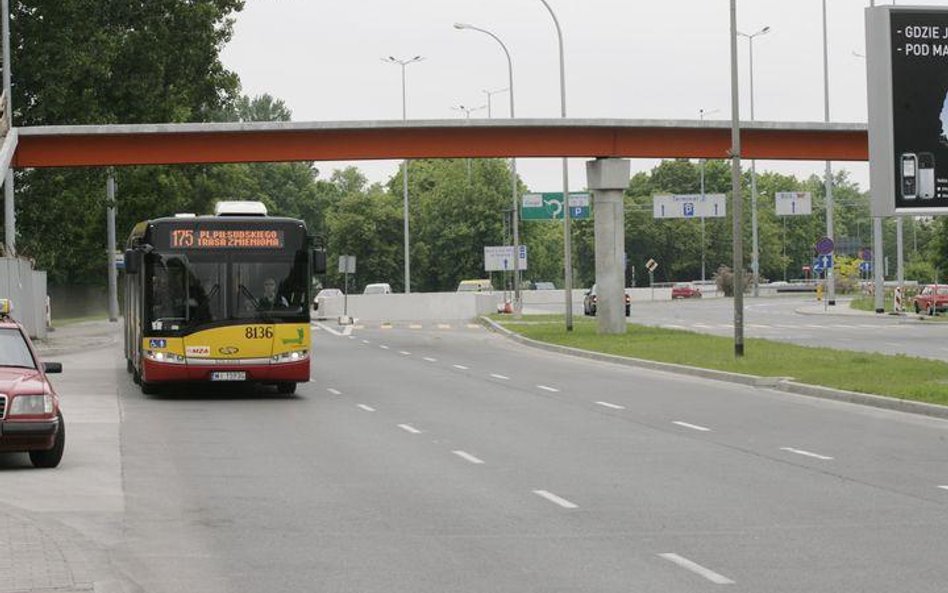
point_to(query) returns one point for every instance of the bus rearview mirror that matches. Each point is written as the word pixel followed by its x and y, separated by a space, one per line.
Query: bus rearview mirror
pixel 133 261
pixel 319 261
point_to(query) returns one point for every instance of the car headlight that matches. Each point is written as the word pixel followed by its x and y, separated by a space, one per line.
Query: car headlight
pixel 164 357
pixel 294 356
pixel 31 405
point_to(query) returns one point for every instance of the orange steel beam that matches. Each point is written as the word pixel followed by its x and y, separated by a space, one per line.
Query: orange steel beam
pixel 165 144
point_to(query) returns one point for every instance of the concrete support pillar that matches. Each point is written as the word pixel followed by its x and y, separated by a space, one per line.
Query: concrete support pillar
pixel 608 179
pixel 9 215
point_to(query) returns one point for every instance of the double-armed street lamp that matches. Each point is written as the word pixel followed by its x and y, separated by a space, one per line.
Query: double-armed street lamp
pixel 403 64
pixel 755 242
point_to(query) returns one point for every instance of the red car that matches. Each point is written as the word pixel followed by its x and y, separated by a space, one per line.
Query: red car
pixel 933 298
pixel 30 419
pixel 683 290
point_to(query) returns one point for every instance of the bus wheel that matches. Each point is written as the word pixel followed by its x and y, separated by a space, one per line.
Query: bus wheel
pixel 286 388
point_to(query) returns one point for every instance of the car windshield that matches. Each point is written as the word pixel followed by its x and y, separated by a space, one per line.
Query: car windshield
pixel 192 291
pixel 13 350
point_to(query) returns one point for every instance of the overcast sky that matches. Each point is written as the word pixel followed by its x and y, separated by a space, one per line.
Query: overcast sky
pixel 624 59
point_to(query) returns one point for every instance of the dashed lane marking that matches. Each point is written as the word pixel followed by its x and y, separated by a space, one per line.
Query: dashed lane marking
pixel 383 346
pixel 333 391
pixel 556 499
pixel 460 367
pixel 409 428
pixel 806 453
pixel 691 426
pixel 444 326
pixel 613 406
pixel 468 457
pixel 366 408
pixel 414 326
pixel 697 569
pixel 366 342
pixel 429 359
pixel 944 487
pixel 404 353
pixel 501 377
pixel 548 388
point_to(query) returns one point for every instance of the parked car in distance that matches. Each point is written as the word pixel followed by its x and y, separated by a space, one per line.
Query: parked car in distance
pixel 685 290
pixel 590 302
pixel 377 288
pixel 476 286
pixel 932 299
pixel 326 293
pixel 30 418
pixel 544 286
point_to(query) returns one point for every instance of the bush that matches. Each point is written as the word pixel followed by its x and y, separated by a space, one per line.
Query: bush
pixel 724 280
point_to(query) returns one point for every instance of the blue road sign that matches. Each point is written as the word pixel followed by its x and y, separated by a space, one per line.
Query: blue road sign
pixel 817 266
pixel 825 246
pixel 688 209
pixel 826 261
pixel 865 267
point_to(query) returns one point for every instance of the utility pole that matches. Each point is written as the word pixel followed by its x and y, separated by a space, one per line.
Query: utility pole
pixel 110 226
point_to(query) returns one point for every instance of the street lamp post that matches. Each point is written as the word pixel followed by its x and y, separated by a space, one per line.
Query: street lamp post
pixel 755 242
pixel 403 64
pixel 701 114
pixel 567 218
pixel 828 181
pixel 486 92
pixel 515 202
pixel 737 247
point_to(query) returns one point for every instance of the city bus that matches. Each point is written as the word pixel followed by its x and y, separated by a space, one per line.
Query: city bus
pixel 222 298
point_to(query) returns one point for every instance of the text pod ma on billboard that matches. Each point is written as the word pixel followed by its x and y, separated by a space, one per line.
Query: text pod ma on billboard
pixel 907 58
pixel 790 203
pixel 689 206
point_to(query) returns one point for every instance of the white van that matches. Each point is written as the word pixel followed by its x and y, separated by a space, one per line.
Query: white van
pixel 378 288
pixel 483 286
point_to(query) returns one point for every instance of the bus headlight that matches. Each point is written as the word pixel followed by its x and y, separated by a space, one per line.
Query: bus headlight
pixel 31 405
pixel 294 356
pixel 167 357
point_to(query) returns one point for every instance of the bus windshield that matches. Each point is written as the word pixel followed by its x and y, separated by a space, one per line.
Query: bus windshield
pixel 189 290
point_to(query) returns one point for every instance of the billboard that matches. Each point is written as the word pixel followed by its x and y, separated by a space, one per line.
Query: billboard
pixel 907 60
pixel 790 203
pixel 689 206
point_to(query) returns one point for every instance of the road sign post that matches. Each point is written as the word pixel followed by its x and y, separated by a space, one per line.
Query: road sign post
pixel 347 265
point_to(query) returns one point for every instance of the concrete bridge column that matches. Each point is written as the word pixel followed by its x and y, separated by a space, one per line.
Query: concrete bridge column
pixel 607 179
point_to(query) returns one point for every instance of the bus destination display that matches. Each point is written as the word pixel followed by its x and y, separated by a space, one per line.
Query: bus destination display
pixel 226 238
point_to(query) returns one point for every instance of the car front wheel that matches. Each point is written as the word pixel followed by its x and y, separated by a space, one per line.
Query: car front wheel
pixel 51 457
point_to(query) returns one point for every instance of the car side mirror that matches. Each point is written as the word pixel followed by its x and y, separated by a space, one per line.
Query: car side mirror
pixel 133 261
pixel 52 367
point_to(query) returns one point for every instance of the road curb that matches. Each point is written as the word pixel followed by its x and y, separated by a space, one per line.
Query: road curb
pixel 784 384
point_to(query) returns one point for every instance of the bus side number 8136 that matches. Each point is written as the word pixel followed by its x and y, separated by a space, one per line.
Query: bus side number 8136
pixel 258 333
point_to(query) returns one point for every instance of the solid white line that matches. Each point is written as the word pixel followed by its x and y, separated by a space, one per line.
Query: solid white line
pixel 383 346
pixel 691 426
pixel 501 377
pixel 414 326
pixel 473 326
pixel 697 569
pixel 444 326
pixel 347 330
pixel 333 391
pixel 409 428
pixel 805 453
pixel 613 406
pixel 550 389
pixel 429 359
pixel 556 499
pixel 460 366
pixel 405 353
pixel 366 408
pixel 467 457
pixel 670 326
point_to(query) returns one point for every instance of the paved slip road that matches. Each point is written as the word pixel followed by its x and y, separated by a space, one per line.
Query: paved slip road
pixel 433 459
pixel 799 320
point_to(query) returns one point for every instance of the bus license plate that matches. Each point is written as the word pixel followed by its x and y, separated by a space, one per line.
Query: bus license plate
pixel 229 376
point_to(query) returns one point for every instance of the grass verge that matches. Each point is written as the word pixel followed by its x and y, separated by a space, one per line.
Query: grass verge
pixel 895 376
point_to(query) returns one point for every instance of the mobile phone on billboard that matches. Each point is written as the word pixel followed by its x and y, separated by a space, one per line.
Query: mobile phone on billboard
pixel 909 176
pixel 926 175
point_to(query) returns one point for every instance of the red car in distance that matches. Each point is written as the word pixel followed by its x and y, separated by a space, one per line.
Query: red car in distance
pixel 932 299
pixel 684 290
pixel 30 419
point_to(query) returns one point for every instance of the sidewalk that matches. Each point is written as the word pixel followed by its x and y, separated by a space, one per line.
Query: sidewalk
pixel 84 335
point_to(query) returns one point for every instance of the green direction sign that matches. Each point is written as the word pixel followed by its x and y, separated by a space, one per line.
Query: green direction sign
pixel 549 206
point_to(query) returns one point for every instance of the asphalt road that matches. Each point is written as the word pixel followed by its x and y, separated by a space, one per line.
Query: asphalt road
pixel 799 320
pixel 432 460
